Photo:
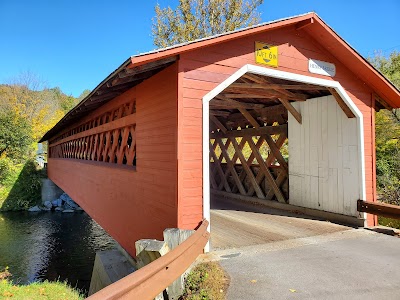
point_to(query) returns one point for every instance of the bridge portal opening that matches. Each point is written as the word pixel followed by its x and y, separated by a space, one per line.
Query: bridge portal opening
pixel 279 142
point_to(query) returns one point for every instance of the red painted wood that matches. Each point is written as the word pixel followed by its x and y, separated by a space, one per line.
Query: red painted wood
pixel 133 204
pixel 203 69
pixel 166 188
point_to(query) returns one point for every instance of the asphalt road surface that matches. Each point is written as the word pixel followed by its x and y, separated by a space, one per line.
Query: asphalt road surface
pixel 270 254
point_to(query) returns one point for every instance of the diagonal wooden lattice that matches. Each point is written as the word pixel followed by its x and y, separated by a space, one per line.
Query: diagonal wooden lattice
pixel 110 138
pixel 260 174
pixel 119 112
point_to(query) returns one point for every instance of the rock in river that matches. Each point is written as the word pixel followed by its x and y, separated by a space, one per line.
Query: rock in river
pixel 48 204
pixel 34 209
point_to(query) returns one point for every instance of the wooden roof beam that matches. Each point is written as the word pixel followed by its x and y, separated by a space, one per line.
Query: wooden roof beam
pixel 265 115
pixel 291 109
pixel 219 113
pixel 254 78
pixel 222 101
pixel 274 86
pixel 341 103
pixel 382 102
pixel 106 96
pixel 247 96
pixel 105 89
pixel 269 110
pixel 266 93
pixel 147 67
pixel 249 132
pixel 217 123
pixel 118 81
pixel 304 23
pixel 249 117
pixel 266 83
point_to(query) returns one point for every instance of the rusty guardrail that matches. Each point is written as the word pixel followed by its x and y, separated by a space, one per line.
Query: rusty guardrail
pixel 379 208
pixel 151 280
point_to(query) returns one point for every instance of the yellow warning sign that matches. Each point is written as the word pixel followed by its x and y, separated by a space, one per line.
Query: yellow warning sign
pixel 266 54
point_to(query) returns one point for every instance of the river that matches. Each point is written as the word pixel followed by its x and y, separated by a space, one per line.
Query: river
pixel 51 245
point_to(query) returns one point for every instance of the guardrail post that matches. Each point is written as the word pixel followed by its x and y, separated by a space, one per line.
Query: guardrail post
pixel 149 281
pixel 174 237
pixel 148 251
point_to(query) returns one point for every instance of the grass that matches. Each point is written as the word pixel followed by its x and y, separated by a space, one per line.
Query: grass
pixel 38 290
pixel 207 281
pixel 389 222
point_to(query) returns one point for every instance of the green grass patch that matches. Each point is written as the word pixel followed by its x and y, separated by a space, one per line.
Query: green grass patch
pixel 393 223
pixel 38 290
pixel 207 281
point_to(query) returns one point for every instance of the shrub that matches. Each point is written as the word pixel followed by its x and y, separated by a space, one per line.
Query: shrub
pixel 207 281
pixel 21 189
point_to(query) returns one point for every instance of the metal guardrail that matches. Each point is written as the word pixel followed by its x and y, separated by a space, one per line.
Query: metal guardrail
pixel 379 208
pixel 151 280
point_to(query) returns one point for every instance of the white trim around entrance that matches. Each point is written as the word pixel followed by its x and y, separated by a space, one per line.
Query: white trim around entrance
pixel 281 75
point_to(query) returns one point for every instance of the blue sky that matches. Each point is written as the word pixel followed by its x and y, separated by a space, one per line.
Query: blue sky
pixel 75 44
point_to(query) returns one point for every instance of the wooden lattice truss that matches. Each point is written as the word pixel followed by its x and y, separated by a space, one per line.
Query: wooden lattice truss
pixel 248 138
pixel 107 137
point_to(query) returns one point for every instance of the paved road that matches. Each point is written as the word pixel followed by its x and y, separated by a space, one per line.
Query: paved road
pixel 238 224
pixel 351 264
pixel 273 254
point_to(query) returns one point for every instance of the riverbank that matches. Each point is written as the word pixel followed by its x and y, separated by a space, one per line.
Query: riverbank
pixel 39 290
pixel 20 186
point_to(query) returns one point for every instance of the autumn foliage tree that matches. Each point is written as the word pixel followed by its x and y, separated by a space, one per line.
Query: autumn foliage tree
pixel 15 135
pixel 195 19
pixel 387 125
pixel 28 109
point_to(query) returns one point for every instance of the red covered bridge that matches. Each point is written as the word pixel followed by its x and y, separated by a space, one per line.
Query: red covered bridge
pixel 282 111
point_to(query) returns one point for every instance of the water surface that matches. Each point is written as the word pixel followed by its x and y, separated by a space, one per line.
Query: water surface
pixel 51 245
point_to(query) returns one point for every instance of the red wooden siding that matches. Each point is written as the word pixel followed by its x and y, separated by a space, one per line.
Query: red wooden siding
pixel 202 70
pixel 132 203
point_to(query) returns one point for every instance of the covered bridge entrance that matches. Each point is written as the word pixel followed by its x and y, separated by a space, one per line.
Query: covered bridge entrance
pixel 287 138
pixel 297 142
pixel 280 113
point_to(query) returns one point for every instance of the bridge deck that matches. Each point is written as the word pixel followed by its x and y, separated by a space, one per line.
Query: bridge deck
pixel 237 224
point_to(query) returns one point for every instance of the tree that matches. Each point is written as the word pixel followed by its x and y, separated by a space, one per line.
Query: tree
pixel 387 124
pixel 83 95
pixel 27 95
pixel 390 67
pixel 195 19
pixel 15 135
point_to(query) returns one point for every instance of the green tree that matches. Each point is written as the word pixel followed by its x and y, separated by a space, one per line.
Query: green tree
pixel 194 19
pixel 390 67
pixel 387 124
pixel 15 135
pixel 83 95
pixel 27 111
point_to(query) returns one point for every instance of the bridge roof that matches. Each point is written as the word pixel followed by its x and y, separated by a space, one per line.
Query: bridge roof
pixel 142 66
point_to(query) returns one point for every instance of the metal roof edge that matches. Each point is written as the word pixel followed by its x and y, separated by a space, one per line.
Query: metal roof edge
pixel 219 35
pixel 116 71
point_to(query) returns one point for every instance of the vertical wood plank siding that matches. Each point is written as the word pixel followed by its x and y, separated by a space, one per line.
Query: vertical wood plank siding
pixel 202 70
pixel 132 203
pixel 324 158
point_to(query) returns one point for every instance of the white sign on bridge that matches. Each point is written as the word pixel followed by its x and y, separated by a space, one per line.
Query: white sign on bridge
pixel 321 67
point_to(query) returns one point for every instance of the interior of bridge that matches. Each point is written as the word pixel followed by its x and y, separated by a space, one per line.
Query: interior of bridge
pixel 249 158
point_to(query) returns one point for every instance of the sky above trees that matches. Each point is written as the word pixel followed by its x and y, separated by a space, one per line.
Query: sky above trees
pixel 75 44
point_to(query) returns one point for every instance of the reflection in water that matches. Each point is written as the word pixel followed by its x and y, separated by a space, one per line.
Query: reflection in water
pixel 51 245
